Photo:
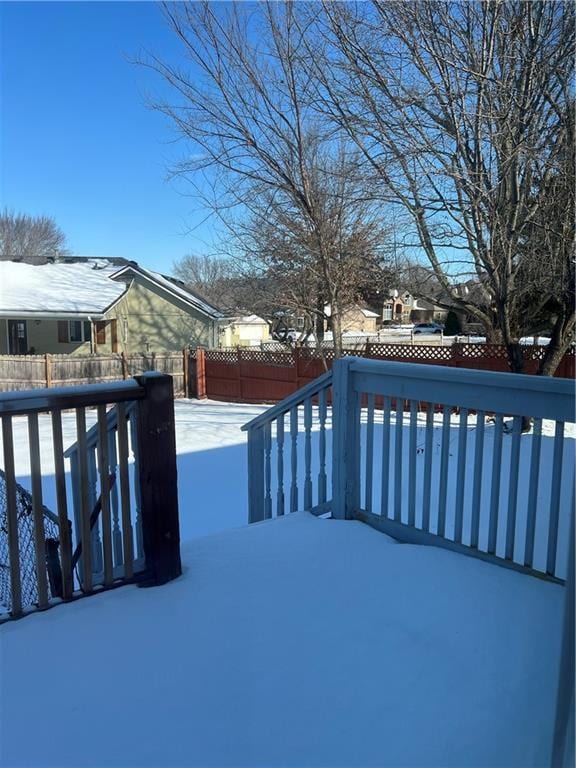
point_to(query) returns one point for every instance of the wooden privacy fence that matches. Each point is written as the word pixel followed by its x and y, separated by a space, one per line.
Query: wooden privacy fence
pixel 125 525
pixel 261 376
pixel 31 371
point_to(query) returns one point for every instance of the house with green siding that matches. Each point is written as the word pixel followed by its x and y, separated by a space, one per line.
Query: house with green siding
pixel 98 306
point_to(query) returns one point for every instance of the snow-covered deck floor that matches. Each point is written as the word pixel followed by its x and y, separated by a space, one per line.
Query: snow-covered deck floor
pixel 294 642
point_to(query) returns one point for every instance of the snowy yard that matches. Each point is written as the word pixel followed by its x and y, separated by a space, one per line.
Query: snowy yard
pixel 296 641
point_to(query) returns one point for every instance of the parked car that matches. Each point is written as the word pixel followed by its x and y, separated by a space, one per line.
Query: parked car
pixel 428 328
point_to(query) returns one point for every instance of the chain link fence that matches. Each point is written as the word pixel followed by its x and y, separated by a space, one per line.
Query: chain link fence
pixel 27 552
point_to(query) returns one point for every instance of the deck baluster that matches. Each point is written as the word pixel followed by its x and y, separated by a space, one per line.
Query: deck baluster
pixel 12 516
pixel 37 510
pixel 513 487
pixel 444 459
pixel 267 472
pixel 495 490
pixel 461 474
pixel 398 459
pixel 369 454
pixel 294 459
pixel 385 491
pixel 555 498
pixel 412 462
pixel 280 465
pixel 308 453
pixel 322 412
pixel 533 492
pixel 477 487
pixel 427 487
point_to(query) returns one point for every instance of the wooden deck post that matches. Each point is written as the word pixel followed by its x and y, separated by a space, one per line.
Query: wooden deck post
pixel 201 373
pixel 346 441
pixel 185 370
pixel 157 479
pixel 48 370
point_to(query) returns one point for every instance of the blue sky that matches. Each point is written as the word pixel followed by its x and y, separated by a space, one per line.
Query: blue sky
pixel 77 140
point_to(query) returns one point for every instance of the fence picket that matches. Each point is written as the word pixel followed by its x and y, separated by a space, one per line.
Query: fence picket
pixel 280 465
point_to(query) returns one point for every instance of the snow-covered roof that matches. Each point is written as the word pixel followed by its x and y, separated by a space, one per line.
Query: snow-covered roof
pixel 245 320
pixel 364 310
pixel 170 285
pixel 80 288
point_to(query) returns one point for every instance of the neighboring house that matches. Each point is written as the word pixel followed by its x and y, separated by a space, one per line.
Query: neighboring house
pixel 242 331
pixel 356 319
pixel 89 306
pixel 406 308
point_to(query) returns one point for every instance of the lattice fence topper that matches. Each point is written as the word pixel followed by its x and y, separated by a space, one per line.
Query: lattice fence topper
pixel 27 551
pixel 409 351
pixel 279 359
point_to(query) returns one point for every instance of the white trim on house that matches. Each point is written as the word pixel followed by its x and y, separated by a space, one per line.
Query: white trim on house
pixel 165 284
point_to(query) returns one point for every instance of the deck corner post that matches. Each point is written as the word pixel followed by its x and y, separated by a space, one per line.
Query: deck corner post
pixel 255 474
pixel 157 479
pixel 346 440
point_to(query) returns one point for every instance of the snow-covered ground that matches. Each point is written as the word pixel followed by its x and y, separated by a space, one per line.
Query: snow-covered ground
pixel 293 642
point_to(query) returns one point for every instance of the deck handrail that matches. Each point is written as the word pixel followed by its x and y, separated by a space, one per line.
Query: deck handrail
pixel 296 398
pixel 517 393
pixel 29 401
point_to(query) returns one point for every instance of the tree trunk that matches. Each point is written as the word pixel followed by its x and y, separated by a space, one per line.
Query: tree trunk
pixel 336 331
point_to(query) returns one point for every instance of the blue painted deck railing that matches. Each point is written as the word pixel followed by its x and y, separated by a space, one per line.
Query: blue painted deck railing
pixel 427 455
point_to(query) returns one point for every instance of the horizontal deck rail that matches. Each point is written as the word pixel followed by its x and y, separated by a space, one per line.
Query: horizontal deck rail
pixel 114 499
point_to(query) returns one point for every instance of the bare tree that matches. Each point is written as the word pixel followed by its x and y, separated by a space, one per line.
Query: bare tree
pixel 464 112
pixel 34 239
pixel 256 136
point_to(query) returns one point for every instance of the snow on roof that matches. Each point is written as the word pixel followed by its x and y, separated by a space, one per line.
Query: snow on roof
pixel 368 312
pixel 246 320
pixel 173 286
pixel 81 288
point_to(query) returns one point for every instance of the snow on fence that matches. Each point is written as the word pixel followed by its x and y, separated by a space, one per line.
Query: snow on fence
pixel 426 455
pixel 19 372
pixel 125 525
